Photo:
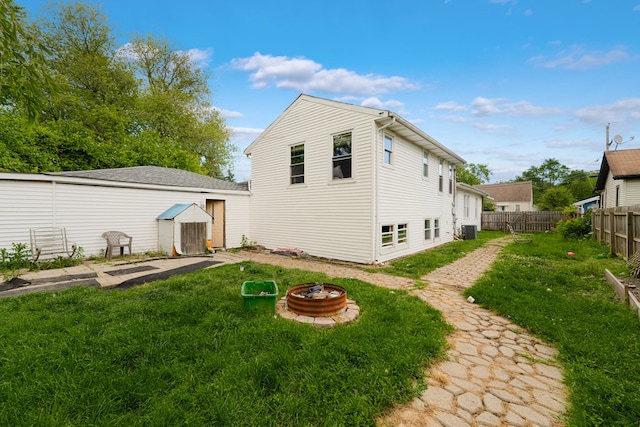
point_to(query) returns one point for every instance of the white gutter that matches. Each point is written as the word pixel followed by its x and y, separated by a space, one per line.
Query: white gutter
pixel 106 183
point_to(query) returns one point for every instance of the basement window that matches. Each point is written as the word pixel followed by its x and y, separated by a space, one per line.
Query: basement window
pixel 387 236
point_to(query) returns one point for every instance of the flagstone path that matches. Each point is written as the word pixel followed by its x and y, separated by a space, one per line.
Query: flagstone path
pixel 496 374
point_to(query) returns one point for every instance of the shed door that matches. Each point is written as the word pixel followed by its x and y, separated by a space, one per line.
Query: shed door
pixel 193 237
pixel 216 208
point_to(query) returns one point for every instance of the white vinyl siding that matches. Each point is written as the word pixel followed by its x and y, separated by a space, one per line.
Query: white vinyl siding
pixel 405 198
pixel 86 211
pixel 325 217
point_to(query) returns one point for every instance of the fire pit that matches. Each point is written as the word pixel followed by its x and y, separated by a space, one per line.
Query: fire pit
pixel 316 299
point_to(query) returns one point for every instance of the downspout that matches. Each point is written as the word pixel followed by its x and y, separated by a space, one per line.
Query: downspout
pixel 376 195
pixel 453 202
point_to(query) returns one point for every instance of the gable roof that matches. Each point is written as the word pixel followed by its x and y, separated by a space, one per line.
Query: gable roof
pixel 177 209
pixel 156 175
pixel 623 164
pixel 391 120
pixel 508 191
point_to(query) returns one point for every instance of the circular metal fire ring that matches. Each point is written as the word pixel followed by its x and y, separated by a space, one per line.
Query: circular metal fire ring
pixel 332 300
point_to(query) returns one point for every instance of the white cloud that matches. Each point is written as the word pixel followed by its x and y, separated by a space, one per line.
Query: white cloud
pixel 489 128
pixel 617 112
pixel 228 114
pixel 451 106
pixel 528 12
pixel 484 107
pixel 578 58
pixel 246 132
pixel 637 8
pixel 201 57
pixel 305 75
pixel 526 109
pixel 374 102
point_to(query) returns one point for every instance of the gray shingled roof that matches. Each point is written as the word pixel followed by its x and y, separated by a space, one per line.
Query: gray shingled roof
pixel 158 176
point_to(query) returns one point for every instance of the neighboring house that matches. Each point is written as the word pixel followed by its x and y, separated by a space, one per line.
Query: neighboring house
pixel 510 196
pixel 582 206
pixel 348 182
pixel 619 178
pixel 468 206
pixel 88 203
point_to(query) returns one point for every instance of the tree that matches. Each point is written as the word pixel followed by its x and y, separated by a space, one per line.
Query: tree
pixel 555 199
pixel 174 101
pixel 144 105
pixel 473 174
pixel 547 175
pixel 25 80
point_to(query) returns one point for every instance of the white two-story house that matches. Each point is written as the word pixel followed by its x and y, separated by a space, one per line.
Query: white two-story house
pixel 348 182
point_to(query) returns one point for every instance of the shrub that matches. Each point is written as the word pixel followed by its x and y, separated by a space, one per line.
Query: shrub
pixel 575 228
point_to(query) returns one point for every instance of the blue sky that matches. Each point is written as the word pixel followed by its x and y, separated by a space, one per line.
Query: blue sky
pixel 506 83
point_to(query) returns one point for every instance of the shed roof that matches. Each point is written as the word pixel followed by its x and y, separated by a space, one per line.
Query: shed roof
pixel 508 191
pixel 623 164
pixel 158 176
pixel 175 210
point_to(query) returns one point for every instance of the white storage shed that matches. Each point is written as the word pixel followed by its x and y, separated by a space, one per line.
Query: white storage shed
pixel 184 229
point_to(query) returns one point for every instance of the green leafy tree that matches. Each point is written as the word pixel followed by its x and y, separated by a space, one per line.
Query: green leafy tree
pixel 146 104
pixel 543 177
pixel 174 101
pixel 580 184
pixel 473 174
pixel 555 199
pixel 25 80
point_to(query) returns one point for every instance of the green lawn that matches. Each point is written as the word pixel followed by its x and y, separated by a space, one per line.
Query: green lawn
pixel 186 352
pixel 416 266
pixel 567 303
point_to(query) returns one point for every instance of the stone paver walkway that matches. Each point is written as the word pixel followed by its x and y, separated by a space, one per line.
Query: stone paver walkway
pixel 495 375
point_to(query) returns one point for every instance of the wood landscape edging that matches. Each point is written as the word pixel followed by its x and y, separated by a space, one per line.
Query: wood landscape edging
pixel 622 290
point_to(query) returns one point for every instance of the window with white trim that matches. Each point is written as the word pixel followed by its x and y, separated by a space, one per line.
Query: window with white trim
pixel 387 236
pixel 450 179
pixel 342 155
pixel 436 228
pixel 402 233
pixel 427 229
pixel 297 164
pixel 388 149
pixel 466 206
pixel 425 163
pixel 440 176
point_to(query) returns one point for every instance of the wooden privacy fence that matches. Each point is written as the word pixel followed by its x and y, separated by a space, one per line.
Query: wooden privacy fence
pixel 619 227
pixel 522 222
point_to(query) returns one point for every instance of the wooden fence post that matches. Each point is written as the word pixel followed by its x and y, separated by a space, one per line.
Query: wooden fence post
pixel 612 233
pixel 629 245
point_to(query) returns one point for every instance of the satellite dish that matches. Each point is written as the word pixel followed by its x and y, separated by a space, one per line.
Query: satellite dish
pixel 617 139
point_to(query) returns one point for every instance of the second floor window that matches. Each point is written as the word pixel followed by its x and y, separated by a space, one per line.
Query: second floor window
pixel 342 156
pixel 425 163
pixel 388 149
pixel 440 176
pixel 297 164
pixel 450 179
